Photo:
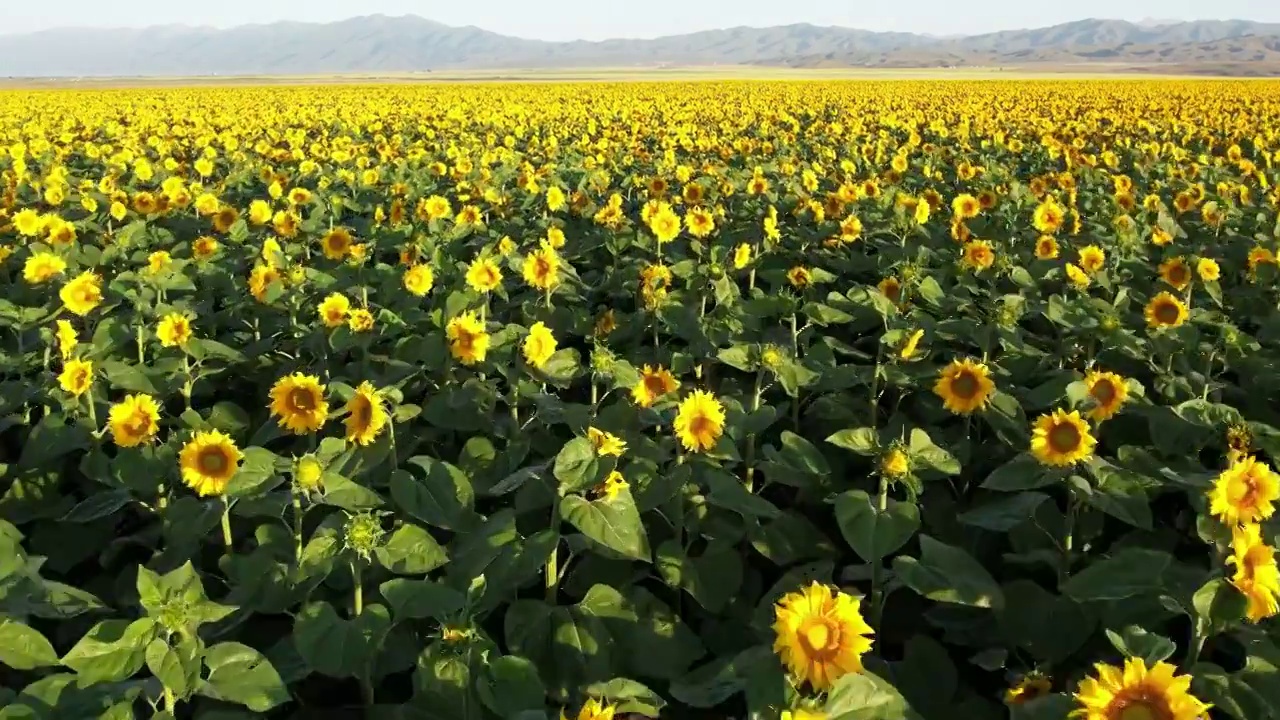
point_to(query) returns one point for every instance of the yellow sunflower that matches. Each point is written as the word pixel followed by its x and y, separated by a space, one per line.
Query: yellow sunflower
pixel 483 275
pixel 308 472
pixel 1165 310
pixel 1078 277
pixel 1061 438
pixel 606 443
pixel 1030 687
pixel 612 485
pixel 911 346
pixel 741 256
pixel 208 462
pixel 134 420
pixel 802 713
pixel 1048 216
pixel 333 310
pixel 174 330
pixel 592 709
pixel 820 636
pixel 964 386
pixel 699 421
pixel 1256 575
pixel 41 267
pixel 366 415
pixel 799 277
pixel 542 268
pixel 337 243
pixel 360 320
pixel 297 401
pixel 966 206
pixel 1108 391
pixel 978 255
pixel 653 384
pixel 539 345
pixel 1175 272
pixel 82 294
pixel 76 377
pixel 67 340
pixel 1245 492
pixel 1137 692
pixel 1046 247
pixel 1208 270
pixel 895 463
pixel 468 341
pixel 1092 258
pixel 419 279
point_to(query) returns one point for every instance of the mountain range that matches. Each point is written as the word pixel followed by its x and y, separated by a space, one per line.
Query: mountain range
pixel 379 44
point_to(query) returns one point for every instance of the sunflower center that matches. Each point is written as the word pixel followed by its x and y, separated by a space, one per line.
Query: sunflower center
pixel 1104 392
pixel 465 340
pixel 302 400
pixel 1166 313
pixel 700 426
pixel 138 424
pixel 965 385
pixel 819 638
pixel 1139 708
pixel 541 268
pixel 212 461
pixel 654 384
pixel 363 413
pixel 1064 437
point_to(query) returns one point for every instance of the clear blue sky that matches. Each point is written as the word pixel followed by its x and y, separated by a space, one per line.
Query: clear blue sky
pixel 600 19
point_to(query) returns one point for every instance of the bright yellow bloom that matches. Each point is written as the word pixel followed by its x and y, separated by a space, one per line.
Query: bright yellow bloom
pixel 366 415
pixel 260 212
pixel 42 266
pixel 665 224
pixel 1244 493
pixel 1137 692
pixel 337 243
pixel 895 463
pixel 1175 272
pixel 592 709
pixel 542 268
pixel 483 275
pixel 1049 216
pixel 1108 391
pixel 539 345
pixel 1061 438
pixel 1092 258
pixel 800 277
pixel 978 255
pixel 468 341
pixel 1165 310
pixel 741 256
pixel 333 310
pixel 419 279
pixel 912 344
pixel 1208 270
pixel 76 377
pixel 67 340
pixel 606 443
pixel 653 384
pixel 699 422
pixel 965 207
pixel 82 294
pixel 298 403
pixel 1256 575
pixel 174 330
pixel 964 386
pixel 208 462
pixel 360 320
pixel 134 420
pixel 308 472
pixel 820 636
pixel 1029 687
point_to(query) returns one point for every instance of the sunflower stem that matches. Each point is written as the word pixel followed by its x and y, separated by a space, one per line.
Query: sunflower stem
pixel 751 439
pixel 357 591
pixel 226 522
pixel 170 702
pixel 552 569
pixel 297 525
pixel 795 355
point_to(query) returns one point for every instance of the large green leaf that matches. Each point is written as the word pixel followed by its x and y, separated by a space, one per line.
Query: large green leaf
pixel 874 533
pixel 24 648
pixel 612 522
pixel 948 574
pixel 239 674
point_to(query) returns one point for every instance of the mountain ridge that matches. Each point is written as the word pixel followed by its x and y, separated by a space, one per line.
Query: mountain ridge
pixel 399 44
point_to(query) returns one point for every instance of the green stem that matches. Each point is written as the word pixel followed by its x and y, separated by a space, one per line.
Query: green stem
pixel 515 408
pixel 750 455
pixel 357 593
pixel 93 410
pixel 1068 538
pixel 226 522
pixel 873 396
pixel 877 592
pixel 552 569
pixel 297 525
pixel 795 354
pixel 142 355
pixel 170 702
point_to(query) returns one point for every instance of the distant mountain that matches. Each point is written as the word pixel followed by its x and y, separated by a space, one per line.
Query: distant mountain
pixel 379 44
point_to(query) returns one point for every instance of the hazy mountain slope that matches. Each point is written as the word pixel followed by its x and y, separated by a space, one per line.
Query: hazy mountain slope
pixel 380 44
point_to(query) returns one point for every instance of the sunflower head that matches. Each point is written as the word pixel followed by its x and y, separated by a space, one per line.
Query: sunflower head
pixel 334 309
pixel 419 279
pixel 483 275
pixel 592 709
pixel 606 443
pixel 76 377
pixel 1108 392
pixel 134 420
pixel 542 268
pixel 1028 687
pixel 820 635
pixel 1061 438
pixel 1138 692
pixel 800 277
pixel 1256 575
pixel 298 403
pixel 1175 273
pixel 337 243
pixel 468 340
pixel 653 384
pixel 699 421
pixel 539 345
pixel 308 472
pixel 208 462
pixel 964 386
pixel 1046 247
pixel 366 415
pixel 1244 493
pixel 82 294
pixel 360 320
pixel 174 330
pixel 1165 311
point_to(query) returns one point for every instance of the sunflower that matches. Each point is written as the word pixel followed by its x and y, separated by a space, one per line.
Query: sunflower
pixel 895 463
pixel 612 485
pixel 606 443
pixel 741 256
pixel 820 635
pixel 174 330
pixel 1165 310
pixel 134 420
pixel 366 416
pixel 1137 692
pixel 1256 575
pixel 468 341
pixel 700 222
pixel 76 377
pixel 891 288
pixel 1208 269
pixel 1046 248
pixel 223 219
pixel 912 344
pixel 82 293
pixel 1175 272
pixel 653 384
pixel 337 243
pixel 965 207
pixel 1031 686
pixel 1061 438
pixel 208 462
pixel 66 337
pixel 542 268
pixel 483 275
pixel 803 714
pixel 964 386
pixel 1108 391
pixel 978 255
pixel 308 472
pixel 1092 258
pixel 665 224
pixel 158 262
pixel 592 709
pixel 41 267
pixel 261 278
pixel 334 309
pixel 539 345
pixel 699 422
pixel 605 323
pixel 297 401
pixel 419 279
pixel 800 277
pixel 1048 216
pixel 1245 492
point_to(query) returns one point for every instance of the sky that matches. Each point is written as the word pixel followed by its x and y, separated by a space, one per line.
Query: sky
pixel 601 19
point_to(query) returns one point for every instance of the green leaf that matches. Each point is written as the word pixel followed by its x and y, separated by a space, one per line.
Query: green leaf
pixel 443 499
pixel 1219 604
pixel 178 668
pixel 411 551
pixel 577 467
pixel 112 650
pixel 336 647
pixel 23 648
pixel 728 492
pixel 1005 513
pixel 510 685
pixel 875 534
pixel 653 640
pixel 129 378
pixel 1023 472
pixel 863 440
pixel 803 455
pixel 613 522
pixel 864 696
pixel 1134 641
pixel 924 453
pixel 738 357
pixel 948 574
pixel 412 599
pixel 241 675
pixel 98 505
pixel 1129 572
pixel 257 474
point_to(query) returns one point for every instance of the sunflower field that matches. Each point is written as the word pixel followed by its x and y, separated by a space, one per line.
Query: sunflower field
pixel 773 400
